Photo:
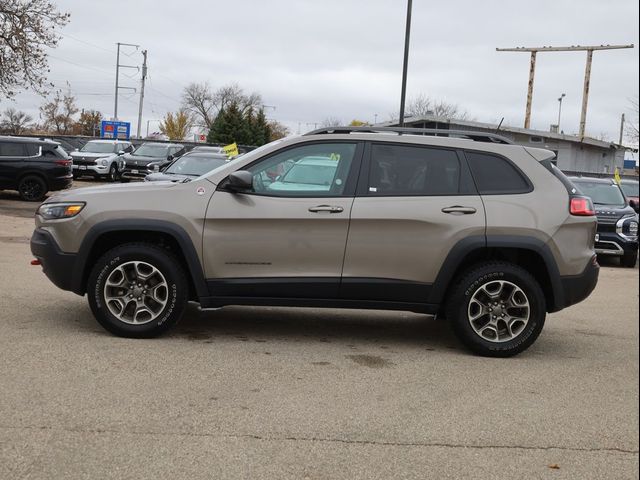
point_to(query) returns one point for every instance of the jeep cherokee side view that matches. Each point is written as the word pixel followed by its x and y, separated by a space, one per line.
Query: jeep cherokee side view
pixel 489 235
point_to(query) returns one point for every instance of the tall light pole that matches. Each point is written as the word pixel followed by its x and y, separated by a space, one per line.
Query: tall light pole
pixel 403 91
pixel 560 109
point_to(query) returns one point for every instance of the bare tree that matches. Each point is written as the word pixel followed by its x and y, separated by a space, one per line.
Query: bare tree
pixel 632 125
pixel 198 100
pixel 58 113
pixel 331 122
pixel 27 29
pixel 422 105
pixel 277 130
pixel 205 104
pixel 15 122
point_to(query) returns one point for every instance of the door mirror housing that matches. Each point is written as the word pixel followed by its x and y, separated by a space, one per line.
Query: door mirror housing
pixel 120 152
pixel 633 204
pixel 240 180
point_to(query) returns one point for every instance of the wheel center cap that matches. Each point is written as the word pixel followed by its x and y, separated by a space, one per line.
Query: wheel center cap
pixel 137 291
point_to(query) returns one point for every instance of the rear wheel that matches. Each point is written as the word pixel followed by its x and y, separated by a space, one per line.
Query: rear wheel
pixel 629 260
pixel 32 188
pixel 496 309
pixel 137 290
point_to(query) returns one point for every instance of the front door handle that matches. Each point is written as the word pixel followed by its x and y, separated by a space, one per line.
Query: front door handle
pixel 459 210
pixel 326 209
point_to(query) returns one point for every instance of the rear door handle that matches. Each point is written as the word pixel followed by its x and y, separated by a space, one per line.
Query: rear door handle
pixel 459 210
pixel 326 209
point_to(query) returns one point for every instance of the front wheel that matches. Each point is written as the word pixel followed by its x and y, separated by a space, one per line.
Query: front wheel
pixel 137 290
pixel 497 309
pixel 113 173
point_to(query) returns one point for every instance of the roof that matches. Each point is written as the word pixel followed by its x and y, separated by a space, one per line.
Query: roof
pixel 108 140
pixel 505 129
pixel 164 144
pixel 41 141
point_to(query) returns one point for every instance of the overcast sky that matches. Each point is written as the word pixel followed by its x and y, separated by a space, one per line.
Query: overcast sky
pixel 316 59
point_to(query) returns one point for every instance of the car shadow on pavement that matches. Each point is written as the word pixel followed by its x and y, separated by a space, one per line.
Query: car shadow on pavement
pixel 262 324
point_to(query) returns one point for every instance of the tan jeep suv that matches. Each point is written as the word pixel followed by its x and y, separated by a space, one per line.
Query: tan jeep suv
pixel 464 225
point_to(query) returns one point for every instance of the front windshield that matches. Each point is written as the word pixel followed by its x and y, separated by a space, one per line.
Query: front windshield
pixel 152 151
pixel 601 193
pixel 98 147
pixel 195 165
pixel 253 154
pixel 630 189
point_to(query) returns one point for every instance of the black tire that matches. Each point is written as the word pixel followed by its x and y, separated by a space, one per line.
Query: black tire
pixel 629 260
pixel 123 180
pixel 32 188
pixel 112 176
pixel 469 283
pixel 176 289
pixel 75 176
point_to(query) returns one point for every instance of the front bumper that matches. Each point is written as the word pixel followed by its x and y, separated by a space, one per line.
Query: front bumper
pixel 612 244
pixel 95 170
pixel 58 266
pixel 136 174
pixel 576 288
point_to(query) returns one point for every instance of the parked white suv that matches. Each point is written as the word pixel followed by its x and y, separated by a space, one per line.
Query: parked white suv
pixel 100 158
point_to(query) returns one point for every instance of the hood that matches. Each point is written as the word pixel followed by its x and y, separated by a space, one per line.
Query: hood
pixel 164 177
pixel 89 155
pixel 112 189
pixel 140 160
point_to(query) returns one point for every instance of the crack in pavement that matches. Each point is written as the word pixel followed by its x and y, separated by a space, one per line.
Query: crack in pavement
pixel 328 440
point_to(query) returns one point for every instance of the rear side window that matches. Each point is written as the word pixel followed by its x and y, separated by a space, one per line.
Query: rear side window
pixel 398 170
pixel 10 149
pixel 32 149
pixel 496 175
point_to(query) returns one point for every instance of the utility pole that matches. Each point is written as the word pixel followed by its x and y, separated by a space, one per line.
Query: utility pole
pixel 144 76
pixel 118 66
pixel 587 74
pixel 621 129
pixel 403 90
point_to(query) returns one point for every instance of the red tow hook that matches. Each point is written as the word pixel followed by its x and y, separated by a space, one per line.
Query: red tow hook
pixel 35 261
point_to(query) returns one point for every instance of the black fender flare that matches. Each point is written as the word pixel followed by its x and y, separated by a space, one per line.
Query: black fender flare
pixel 183 240
pixel 477 243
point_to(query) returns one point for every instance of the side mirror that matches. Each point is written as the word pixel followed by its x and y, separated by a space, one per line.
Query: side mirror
pixel 170 157
pixel 120 152
pixel 240 180
pixel 633 204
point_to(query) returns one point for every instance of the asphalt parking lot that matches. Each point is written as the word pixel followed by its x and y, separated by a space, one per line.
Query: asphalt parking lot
pixel 294 393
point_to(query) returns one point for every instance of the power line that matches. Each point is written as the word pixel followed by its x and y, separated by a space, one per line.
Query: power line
pixel 67 35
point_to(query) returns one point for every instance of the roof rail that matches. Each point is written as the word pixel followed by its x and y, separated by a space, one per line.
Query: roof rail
pixel 467 134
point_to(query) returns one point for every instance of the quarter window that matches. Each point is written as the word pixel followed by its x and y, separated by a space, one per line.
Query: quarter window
pixel 495 175
pixel 398 170
pixel 318 170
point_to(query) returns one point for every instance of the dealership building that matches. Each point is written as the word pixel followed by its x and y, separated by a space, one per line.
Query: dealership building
pixel 573 154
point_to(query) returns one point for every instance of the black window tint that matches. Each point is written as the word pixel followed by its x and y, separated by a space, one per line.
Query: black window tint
pixel 32 149
pixel 494 174
pixel 10 149
pixel 406 170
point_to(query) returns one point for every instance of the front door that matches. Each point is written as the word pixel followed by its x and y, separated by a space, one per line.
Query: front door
pixel 285 238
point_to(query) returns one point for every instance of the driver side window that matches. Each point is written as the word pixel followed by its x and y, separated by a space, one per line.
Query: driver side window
pixel 310 170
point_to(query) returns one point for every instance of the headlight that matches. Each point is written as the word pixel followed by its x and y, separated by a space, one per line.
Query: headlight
pixel 56 211
pixel 104 162
pixel 627 227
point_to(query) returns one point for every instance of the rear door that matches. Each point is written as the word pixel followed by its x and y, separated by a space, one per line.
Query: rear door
pixel 11 162
pixel 413 204
pixel 287 237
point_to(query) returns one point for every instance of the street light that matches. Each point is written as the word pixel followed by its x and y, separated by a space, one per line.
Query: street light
pixel 560 109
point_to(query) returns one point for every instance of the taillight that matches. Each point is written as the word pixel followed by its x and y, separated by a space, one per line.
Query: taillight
pixel 63 163
pixel 581 206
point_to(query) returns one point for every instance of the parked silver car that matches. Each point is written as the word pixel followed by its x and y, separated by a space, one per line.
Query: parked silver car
pixel 100 158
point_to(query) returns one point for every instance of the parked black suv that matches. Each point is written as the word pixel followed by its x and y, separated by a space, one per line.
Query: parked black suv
pixel 149 158
pixel 33 167
pixel 617 221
